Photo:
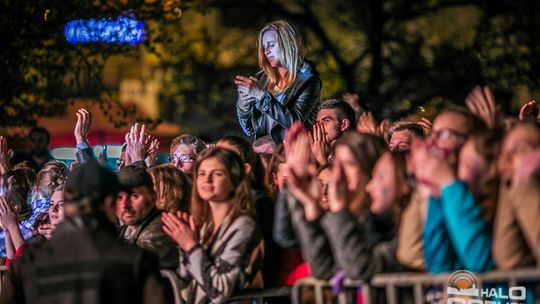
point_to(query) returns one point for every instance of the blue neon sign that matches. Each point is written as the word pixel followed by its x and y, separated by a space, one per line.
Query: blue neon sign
pixel 109 30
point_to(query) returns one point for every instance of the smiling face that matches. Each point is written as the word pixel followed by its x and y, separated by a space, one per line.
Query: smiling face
pixel 213 181
pixel 56 209
pixel 271 47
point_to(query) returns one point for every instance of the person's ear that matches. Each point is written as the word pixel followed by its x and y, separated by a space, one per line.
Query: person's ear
pixel 247 168
pixel 345 125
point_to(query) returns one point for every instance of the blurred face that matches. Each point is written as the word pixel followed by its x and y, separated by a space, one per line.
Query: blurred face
pixel 183 158
pixel 449 132
pixel 323 179
pixel 271 48
pixel 132 208
pixel 400 141
pixel 518 144
pixel 331 123
pixel 39 143
pixel 56 209
pixel 472 168
pixel 281 176
pixel 351 167
pixel 213 181
pixel 383 188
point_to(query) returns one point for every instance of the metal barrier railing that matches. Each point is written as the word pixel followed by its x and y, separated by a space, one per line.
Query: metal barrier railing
pixel 253 295
pixel 417 282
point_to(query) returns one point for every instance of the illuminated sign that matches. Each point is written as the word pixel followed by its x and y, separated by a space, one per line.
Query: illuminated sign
pixel 109 30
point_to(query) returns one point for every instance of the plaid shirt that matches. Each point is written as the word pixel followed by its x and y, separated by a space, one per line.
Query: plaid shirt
pixel 39 206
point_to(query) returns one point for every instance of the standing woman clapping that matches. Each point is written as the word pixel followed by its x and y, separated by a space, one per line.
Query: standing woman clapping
pixel 286 89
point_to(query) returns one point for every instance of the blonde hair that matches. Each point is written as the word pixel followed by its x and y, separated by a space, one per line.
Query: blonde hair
pixel 242 197
pixel 291 56
pixel 52 175
pixel 172 188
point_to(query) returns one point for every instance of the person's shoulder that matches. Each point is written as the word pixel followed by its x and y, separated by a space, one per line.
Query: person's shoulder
pixel 308 69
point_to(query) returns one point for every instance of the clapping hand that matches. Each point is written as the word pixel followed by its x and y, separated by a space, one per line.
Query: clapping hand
pixel 8 216
pixel 153 153
pixel 529 111
pixel 301 169
pixel 138 143
pixel 481 102
pixel 182 229
pixel 249 86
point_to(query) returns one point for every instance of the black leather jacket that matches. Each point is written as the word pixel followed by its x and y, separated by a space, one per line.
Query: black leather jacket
pixel 300 103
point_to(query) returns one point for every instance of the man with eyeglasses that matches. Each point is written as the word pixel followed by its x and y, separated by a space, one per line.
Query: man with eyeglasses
pixel 183 152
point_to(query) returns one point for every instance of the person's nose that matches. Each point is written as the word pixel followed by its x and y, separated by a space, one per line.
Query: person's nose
pixel 122 202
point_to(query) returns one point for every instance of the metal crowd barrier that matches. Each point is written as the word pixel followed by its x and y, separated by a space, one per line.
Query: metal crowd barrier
pixel 418 283
pixel 252 296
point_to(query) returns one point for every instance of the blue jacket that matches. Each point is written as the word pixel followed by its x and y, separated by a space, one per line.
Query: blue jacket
pixel 299 103
pixel 456 235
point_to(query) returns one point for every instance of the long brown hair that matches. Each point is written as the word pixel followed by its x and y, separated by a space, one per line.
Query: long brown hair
pixel 172 188
pixel 366 148
pixel 402 182
pixel 291 57
pixel 242 198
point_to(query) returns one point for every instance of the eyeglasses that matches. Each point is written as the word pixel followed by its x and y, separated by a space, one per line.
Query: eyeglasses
pixel 446 134
pixel 181 158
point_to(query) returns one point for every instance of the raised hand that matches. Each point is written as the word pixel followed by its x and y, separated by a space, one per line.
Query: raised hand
pixel 366 124
pixel 182 229
pixel 46 230
pixel 481 102
pixel 82 127
pixel 249 86
pixel 297 150
pixel 153 153
pixel 5 155
pixel 426 124
pixel 320 147
pixel 529 111
pixel 138 143
pixel 8 216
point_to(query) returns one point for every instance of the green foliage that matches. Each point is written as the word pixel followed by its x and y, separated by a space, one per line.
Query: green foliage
pixel 396 55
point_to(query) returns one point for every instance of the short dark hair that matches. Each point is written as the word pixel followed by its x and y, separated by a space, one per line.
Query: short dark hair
pixel 42 131
pixel 414 128
pixel 344 110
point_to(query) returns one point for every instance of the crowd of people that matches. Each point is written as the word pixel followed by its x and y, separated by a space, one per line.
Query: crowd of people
pixel 319 192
